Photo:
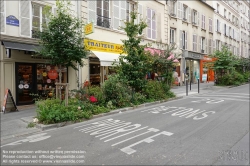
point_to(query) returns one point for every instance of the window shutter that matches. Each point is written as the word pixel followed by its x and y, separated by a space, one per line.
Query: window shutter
pixel 153 24
pixel 171 7
pixel 198 18
pixel 192 15
pixel 189 14
pixel 2 16
pixel 186 35
pixel 181 36
pixel 206 45
pixel 149 23
pixel 158 26
pixel 25 18
pixel 204 19
pixel 116 10
pixel 140 13
pixel 215 21
pixel 193 43
pixel 92 11
pixel 182 12
pixel 123 13
pixel 214 46
pixel 179 9
pixel 227 30
pixel 199 47
pixel 175 8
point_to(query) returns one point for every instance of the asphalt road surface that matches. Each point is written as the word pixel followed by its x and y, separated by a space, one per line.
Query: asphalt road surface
pixel 201 129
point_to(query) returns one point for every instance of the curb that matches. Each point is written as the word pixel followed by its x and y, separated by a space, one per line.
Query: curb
pixel 57 125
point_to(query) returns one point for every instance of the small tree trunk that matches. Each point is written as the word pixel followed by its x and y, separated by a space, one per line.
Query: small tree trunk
pixel 60 81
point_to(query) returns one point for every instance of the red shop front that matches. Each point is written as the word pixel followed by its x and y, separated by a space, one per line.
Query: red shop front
pixel 206 68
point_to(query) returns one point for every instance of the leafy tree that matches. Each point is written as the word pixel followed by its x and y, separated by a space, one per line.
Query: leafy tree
pixel 61 41
pixel 225 61
pixel 134 66
pixel 164 63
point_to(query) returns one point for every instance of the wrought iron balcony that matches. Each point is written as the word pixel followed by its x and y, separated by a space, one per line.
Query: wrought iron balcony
pixel 103 21
pixel 35 34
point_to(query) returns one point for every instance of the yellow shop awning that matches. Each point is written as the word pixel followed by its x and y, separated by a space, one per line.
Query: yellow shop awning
pixel 106 58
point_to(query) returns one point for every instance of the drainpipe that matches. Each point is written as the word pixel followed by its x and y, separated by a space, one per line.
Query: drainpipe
pixel 79 73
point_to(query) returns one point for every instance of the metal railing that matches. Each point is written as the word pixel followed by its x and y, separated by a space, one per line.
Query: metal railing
pixel 103 21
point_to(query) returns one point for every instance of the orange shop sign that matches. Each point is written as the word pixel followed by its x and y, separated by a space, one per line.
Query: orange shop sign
pixel 89 28
pixel 52 74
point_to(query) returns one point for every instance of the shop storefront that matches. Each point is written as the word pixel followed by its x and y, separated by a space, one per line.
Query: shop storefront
pixel 26 75
pixel 36 79
pixel 206 68
pixel 104 56
pixel 192 65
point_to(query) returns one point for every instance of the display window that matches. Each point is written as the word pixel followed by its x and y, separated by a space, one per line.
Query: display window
pixel 36 80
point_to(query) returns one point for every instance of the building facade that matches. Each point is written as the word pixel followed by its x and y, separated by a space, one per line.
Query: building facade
pixel 191 27
pixel 105 43
pixel 20 71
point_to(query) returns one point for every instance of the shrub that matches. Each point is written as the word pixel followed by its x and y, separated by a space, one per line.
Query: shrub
pixel 116 91
pixel 97 92
pixel 154 90
pixel 246 76
pixel 233 78
pixel 138 98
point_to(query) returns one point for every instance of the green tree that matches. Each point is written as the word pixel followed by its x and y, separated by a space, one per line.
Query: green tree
pixel 225 61
pixel 164 63
pixel 134 66
pixel 61 40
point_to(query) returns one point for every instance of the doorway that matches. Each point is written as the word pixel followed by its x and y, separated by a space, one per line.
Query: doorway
pixel 25 80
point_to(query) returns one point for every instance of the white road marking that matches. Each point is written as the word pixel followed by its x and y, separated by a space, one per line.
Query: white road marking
pixel 129 149
pixel 208 101
pixel 225 95
pixel 150 130
pixel 126 134
pixel 220 98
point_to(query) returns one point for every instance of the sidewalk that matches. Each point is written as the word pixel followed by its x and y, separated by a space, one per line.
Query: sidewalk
pixel 13 126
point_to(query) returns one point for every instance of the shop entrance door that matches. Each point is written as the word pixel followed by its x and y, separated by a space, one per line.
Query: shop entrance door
pixel 25 83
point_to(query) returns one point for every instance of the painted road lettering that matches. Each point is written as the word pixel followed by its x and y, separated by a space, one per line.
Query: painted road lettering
pixel 180 112
pixel 110 130
pixel 33 138
pixel 129 149
pixel 208 101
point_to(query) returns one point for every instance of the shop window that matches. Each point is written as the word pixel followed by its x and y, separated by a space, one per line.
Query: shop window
pixel 47 76
pixel 94 73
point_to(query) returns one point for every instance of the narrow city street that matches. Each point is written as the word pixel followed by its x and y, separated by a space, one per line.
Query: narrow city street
pixel 200 129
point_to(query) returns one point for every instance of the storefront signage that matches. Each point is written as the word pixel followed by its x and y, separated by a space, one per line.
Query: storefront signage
pixel 12 20
pixel 204 77
pixel 193 55
pixel 89 28
pixel 207 59
pixel 52 74
pixel 101 46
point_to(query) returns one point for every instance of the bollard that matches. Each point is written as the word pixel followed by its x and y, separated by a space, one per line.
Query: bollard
pixel 186 87
pixel 190 84
pixel 198 86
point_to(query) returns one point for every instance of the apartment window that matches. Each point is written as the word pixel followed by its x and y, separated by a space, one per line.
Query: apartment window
pixel 173 8
pixel 218 8
pixel 129 7
pixel 203 44
pixel 151 22
pixel 39 21
pixel 230 32
pixel 183 39
pixel 185 8
pixel 195 17
pixel 229 16
pixel 225 13
pixel 102 11
pixel 217 44
pixel 210 25
pixel 225 29
pixel 210 46
pixel 194 42
pixel 172 35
